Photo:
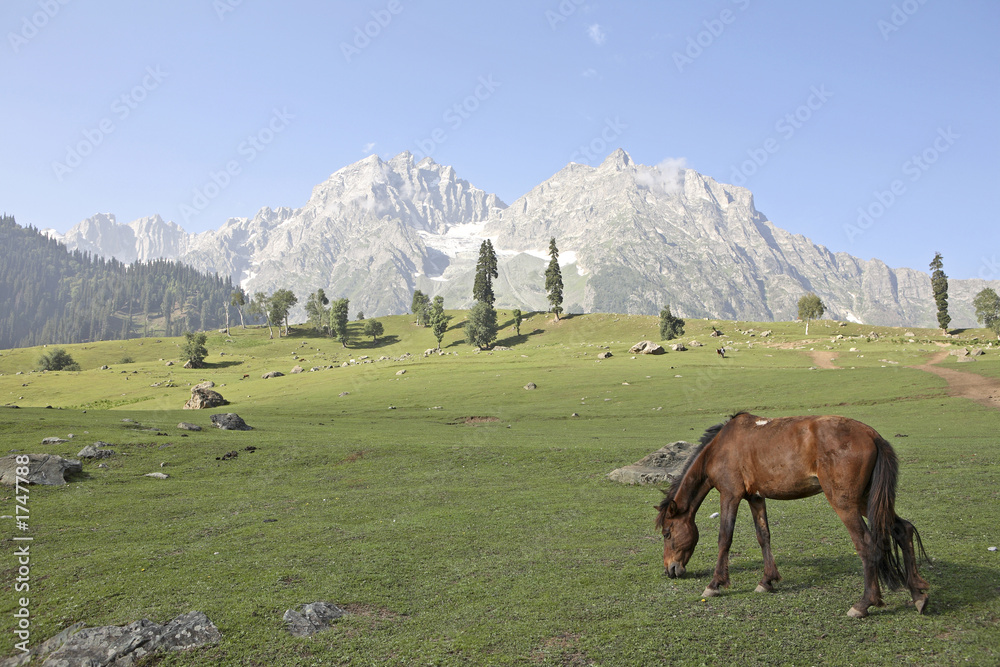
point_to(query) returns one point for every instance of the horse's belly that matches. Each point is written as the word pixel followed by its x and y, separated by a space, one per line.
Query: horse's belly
pixel 802 488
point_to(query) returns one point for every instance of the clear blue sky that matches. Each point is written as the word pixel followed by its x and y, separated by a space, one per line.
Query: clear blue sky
pixel 821 109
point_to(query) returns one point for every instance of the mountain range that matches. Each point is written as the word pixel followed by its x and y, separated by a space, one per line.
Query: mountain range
pixel 632 238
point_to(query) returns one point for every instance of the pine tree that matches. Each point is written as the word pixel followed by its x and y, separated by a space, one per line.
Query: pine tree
pixel 481 325
pixel 518 318
pixel 670 326
pixel 939 284
pixel 553 280
pixel 486 271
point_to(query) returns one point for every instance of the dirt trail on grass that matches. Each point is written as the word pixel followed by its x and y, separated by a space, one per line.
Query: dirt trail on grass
pixel 982 390
pixel 823 358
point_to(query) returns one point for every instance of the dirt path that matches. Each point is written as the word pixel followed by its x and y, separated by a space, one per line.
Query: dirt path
pixel 982 390
pixel 823 358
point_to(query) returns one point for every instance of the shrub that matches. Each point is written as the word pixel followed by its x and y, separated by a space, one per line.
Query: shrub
pixel 57 359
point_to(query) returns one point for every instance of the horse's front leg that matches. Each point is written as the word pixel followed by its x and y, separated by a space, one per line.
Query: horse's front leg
pixel 759 510
pixel 727 523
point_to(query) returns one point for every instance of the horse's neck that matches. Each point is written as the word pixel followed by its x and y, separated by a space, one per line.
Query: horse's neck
pixel 694 486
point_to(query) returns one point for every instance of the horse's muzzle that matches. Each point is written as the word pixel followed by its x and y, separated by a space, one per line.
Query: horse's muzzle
pixel 674 570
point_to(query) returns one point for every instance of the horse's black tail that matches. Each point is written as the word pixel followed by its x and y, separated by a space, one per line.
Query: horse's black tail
pixel 882 516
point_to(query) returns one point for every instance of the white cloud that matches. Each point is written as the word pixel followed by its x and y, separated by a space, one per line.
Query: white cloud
pixel 591 73
pixel 597 34
pixel 668 176
pixel 367 148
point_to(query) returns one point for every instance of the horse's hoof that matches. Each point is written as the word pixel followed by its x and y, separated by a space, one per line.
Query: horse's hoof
pixel 710 593
pixel 856 613
pixel 761 588
pixel 921 604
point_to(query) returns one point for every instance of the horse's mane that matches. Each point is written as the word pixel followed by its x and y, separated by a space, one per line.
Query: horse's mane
pixel 671 492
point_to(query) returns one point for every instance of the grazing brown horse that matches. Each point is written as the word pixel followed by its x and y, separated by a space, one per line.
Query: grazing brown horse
pixel 752 458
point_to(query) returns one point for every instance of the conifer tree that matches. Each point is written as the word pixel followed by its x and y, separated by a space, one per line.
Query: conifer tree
pixel 481 325
pixel 670 326
pixel 486 271
pixel 939 284
pixel 553 280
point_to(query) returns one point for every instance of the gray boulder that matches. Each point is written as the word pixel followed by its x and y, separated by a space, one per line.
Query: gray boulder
pixel 604 355
pixel 272 374
pixel 188 426
pixel 53 441
pixel 661 467
pixel 121 645
pixel 308 619
pixel 647 347
pixel 530 386
pixel 96 451
pixel 202 398
pixel 297 369
pixel 47 469
pixel 230 421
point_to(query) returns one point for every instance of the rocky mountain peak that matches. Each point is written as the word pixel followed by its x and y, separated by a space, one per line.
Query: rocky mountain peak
pixel 632 238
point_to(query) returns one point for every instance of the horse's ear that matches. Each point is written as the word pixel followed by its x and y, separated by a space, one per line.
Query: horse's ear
pixel 672 508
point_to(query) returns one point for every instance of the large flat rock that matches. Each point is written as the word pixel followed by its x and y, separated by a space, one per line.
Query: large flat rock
pixel 661 467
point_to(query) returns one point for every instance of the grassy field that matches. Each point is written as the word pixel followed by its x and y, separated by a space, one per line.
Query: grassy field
pixel 495 540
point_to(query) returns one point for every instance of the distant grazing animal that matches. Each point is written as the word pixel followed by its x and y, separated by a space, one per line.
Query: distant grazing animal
pixel 721 352
pixel 245 376
pixel 752 458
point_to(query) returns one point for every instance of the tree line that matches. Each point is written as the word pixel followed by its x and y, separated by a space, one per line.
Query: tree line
pixel 331 317
pixel 51 295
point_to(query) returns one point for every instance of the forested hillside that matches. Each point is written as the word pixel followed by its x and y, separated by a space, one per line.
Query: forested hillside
pixel 51 295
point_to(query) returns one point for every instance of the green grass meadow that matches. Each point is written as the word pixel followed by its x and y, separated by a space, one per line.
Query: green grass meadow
pixel 496 540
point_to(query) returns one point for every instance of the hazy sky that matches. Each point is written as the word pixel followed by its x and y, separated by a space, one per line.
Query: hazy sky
pixel 869 126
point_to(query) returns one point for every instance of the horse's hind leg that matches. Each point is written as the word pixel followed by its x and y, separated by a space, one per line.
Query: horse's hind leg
pixel 759 510
pixel 863 545
pixel 903 534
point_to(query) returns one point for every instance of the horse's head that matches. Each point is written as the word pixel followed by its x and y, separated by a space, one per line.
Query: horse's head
pixel 680 537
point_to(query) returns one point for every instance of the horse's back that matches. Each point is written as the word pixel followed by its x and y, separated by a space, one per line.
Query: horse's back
pixel 795 457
